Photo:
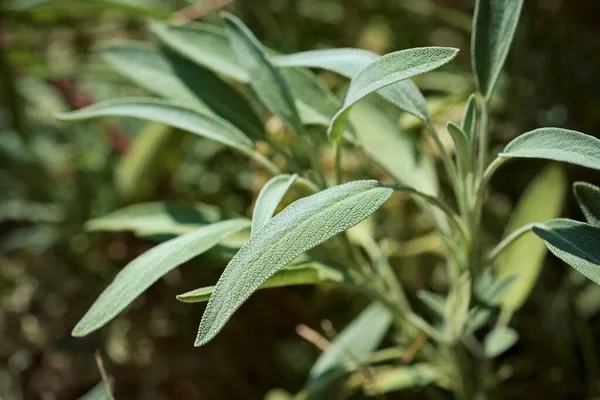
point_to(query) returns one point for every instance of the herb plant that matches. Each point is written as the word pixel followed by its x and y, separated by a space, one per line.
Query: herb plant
pixel 201 74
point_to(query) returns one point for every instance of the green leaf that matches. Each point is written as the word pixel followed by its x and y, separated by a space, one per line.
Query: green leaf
pixel 304 224
pixel 433 301
pixel 469 119
pixel 168 75
pixel 556 144
pixel 142 272
pixel 499 340
pixel 462 145
pixel 157 218
pixel 355 343
pixel 303 274
pixel 205 44
pixel 98 392
pixel 269 198
pixel 169 113
pixel 349 63
pixel 393 378
pixel 488 297
pixel 385 71
pixel 380 137
pixel 542 200
pixel 588 197
pixel 145 7
pixel 494 26
pixel 265 79
pixel 576 243
pixel 456 308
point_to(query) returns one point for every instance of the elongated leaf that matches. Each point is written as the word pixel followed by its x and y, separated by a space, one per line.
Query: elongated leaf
pixel 456 308
pixel 304 224
pixel 98 392
pixel 269 198
pixel 542 200
pixel 141 273
pixel 135 7
pixel 265 79
pixel 588 197
pixel 391 379
pixel 349 63
pixel 378 134
pixel 433 301
pixel 168 113
pixel 171 76
pixel 387 70
pixel 303 274
pixel 576 243
pixel 488 298
pixel 462 145
pixel 499 340
pixel 156 218
pixel 469 119
pixel 494 26
pixel 204 44
pixel 355 343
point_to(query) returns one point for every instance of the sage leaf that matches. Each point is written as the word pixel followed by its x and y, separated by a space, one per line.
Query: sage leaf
pixel 99 392
pixel 142 272
pixel 350 62
pixel 462 145
pixel 390 379
pixel 169 113
pixel 355 343
pixel 169 75
pixel 303 274
pixel 469 118
pixel 499 340
pixel 387 70
pixel 302 225
pixel 494 26
pixel 556 144
pixel 265 79
pixel 542 200
pixel 269 198
pixel 588 197
pixel 433 301
pixel 456 307
pixel 133 7
pixel 156 218
pixel 576 243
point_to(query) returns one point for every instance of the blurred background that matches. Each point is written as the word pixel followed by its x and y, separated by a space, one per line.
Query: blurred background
pixel 54 177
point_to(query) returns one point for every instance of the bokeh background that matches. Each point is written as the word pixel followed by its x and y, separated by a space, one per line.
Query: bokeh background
pixel 54 177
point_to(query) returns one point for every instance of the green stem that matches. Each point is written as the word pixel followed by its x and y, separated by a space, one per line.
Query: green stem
pixel 507 241
pixel 338 162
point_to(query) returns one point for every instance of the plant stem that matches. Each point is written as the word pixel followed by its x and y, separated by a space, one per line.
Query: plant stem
pixel 338 162
pixel 264 161
pixel 507 241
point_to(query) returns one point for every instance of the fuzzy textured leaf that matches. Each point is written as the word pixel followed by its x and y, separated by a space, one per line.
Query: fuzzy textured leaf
pixel 142 272
pixel 576 243
pixel 169 113
pixel 269 198
pixel 355 343
pixel 462 145
pixel 302 225
pixel 542 200
pixel 494 26
pixel 469 118
pixel 402 377
pixel 499 340
pixel 303 274
pixel 556 144
pixel 588 197
pixel 385 71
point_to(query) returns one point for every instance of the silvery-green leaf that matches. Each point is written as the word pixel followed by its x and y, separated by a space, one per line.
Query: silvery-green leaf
pixel 269 198
pixel 576 243
pixel 394 378
pixel 265 78
pixel 350 62
pixel 156 218
pixel 542 200
pixel 134 7
pixel 303 274
pixel 462 145
pixel 456 307
pixel 355 343
pixel 385 71
pixel 171 76
pixel 169 113
pixel 588 197
pixel 142 272
pixel 433 301
pixel 302 225
pixel 469 118
pixel 494 26
pixel 556 144
pixel 487 299
pixel 499 340
pixel 98 392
